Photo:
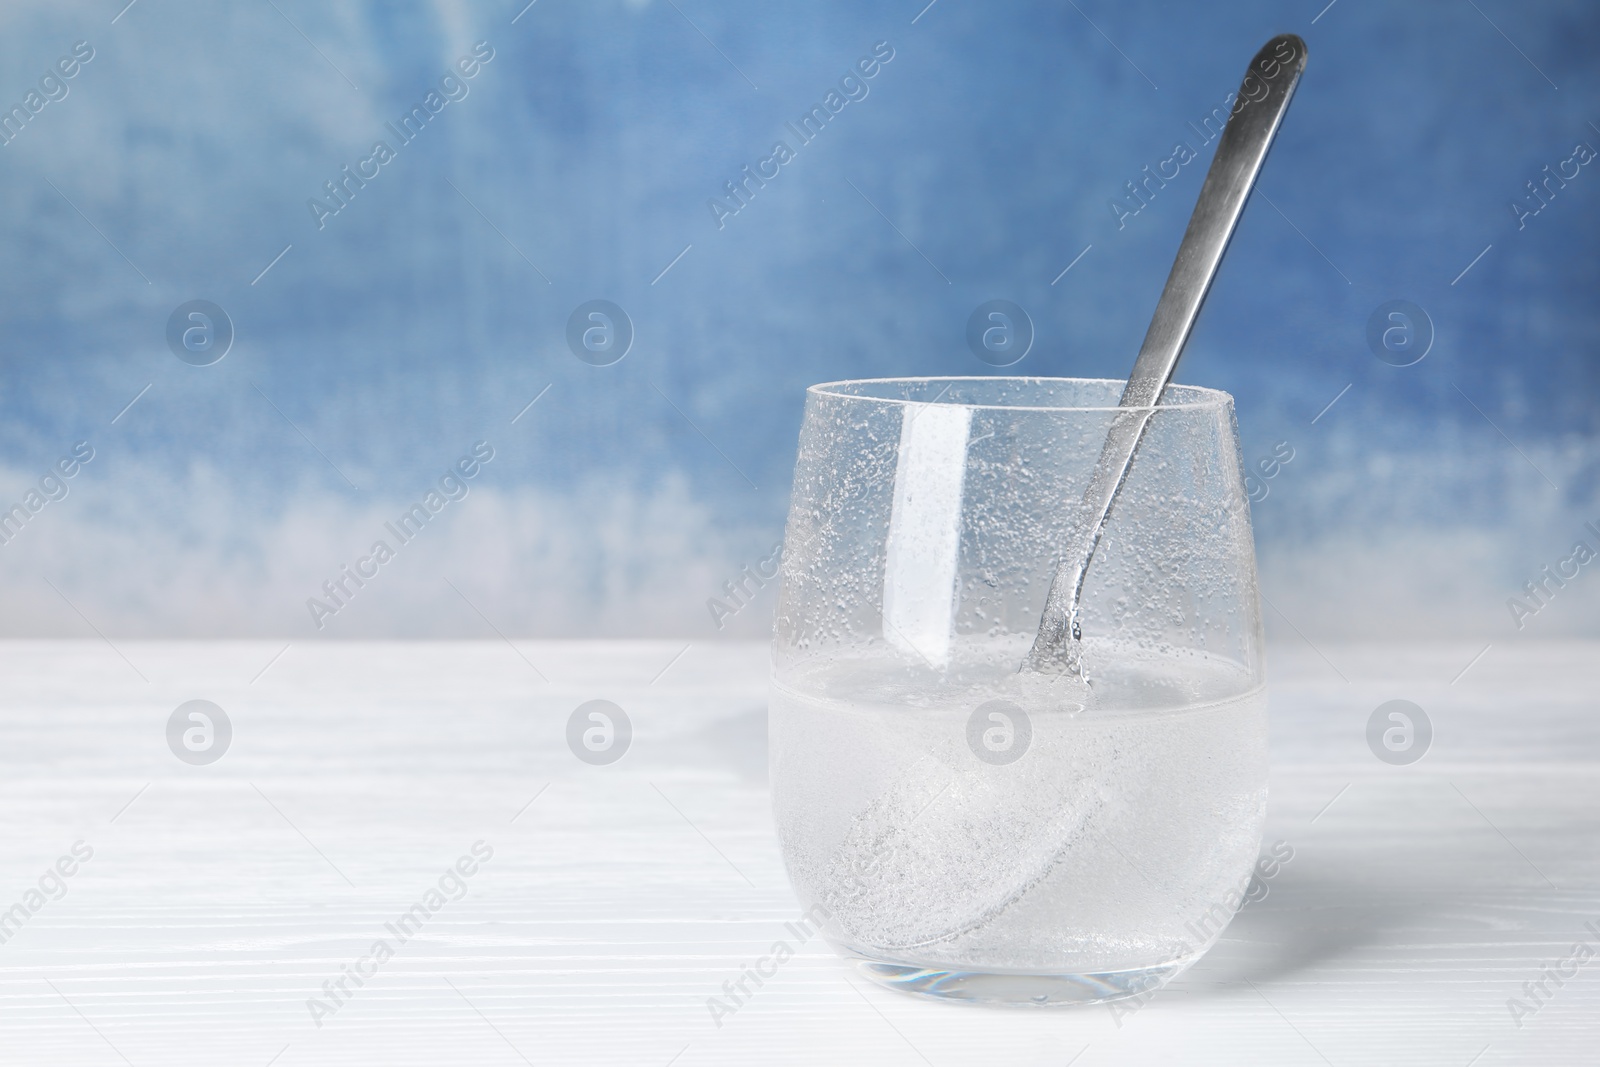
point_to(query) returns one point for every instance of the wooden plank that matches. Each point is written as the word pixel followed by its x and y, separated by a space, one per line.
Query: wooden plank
pixel 219 898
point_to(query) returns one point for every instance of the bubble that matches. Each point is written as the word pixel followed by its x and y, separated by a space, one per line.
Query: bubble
pixel 599 732
pixel 599 332
pixel 1399 732
pixel 199 732
pixel 199 332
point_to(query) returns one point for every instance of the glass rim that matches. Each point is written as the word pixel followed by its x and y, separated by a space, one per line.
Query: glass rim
pixel 1204 397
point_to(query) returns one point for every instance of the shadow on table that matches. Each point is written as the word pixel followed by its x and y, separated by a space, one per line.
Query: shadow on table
pixel 1306 921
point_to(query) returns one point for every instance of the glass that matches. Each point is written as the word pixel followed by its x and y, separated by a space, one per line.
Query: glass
pixel 967 831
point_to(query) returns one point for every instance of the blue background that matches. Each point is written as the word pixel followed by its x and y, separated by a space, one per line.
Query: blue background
pixel 425 314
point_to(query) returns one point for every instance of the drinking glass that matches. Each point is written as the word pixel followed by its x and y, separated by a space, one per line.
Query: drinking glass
pixel 968 831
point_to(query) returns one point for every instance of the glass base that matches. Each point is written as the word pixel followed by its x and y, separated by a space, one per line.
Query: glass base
pixel 1018 989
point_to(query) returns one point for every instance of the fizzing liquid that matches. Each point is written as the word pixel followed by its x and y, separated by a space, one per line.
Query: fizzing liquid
pixel 974 818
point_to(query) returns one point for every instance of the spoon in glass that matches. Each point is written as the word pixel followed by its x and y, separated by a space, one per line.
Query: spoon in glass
pixel 914 871
pixel 1257 112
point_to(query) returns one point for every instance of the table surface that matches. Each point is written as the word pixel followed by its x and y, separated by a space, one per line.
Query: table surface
pixel 619 898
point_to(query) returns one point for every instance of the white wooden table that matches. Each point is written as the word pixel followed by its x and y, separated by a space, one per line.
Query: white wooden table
pixel 220 898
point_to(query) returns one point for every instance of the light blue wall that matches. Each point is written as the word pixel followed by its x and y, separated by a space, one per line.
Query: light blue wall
pixel 982 160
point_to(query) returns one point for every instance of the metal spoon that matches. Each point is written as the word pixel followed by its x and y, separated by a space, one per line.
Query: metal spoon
pixel 1263 98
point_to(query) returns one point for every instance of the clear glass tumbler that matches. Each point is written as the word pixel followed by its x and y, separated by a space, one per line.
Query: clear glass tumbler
pixel 967 831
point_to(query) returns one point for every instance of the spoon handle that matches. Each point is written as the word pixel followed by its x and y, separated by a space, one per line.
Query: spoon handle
pixel 1257 112
pixel 1263 98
